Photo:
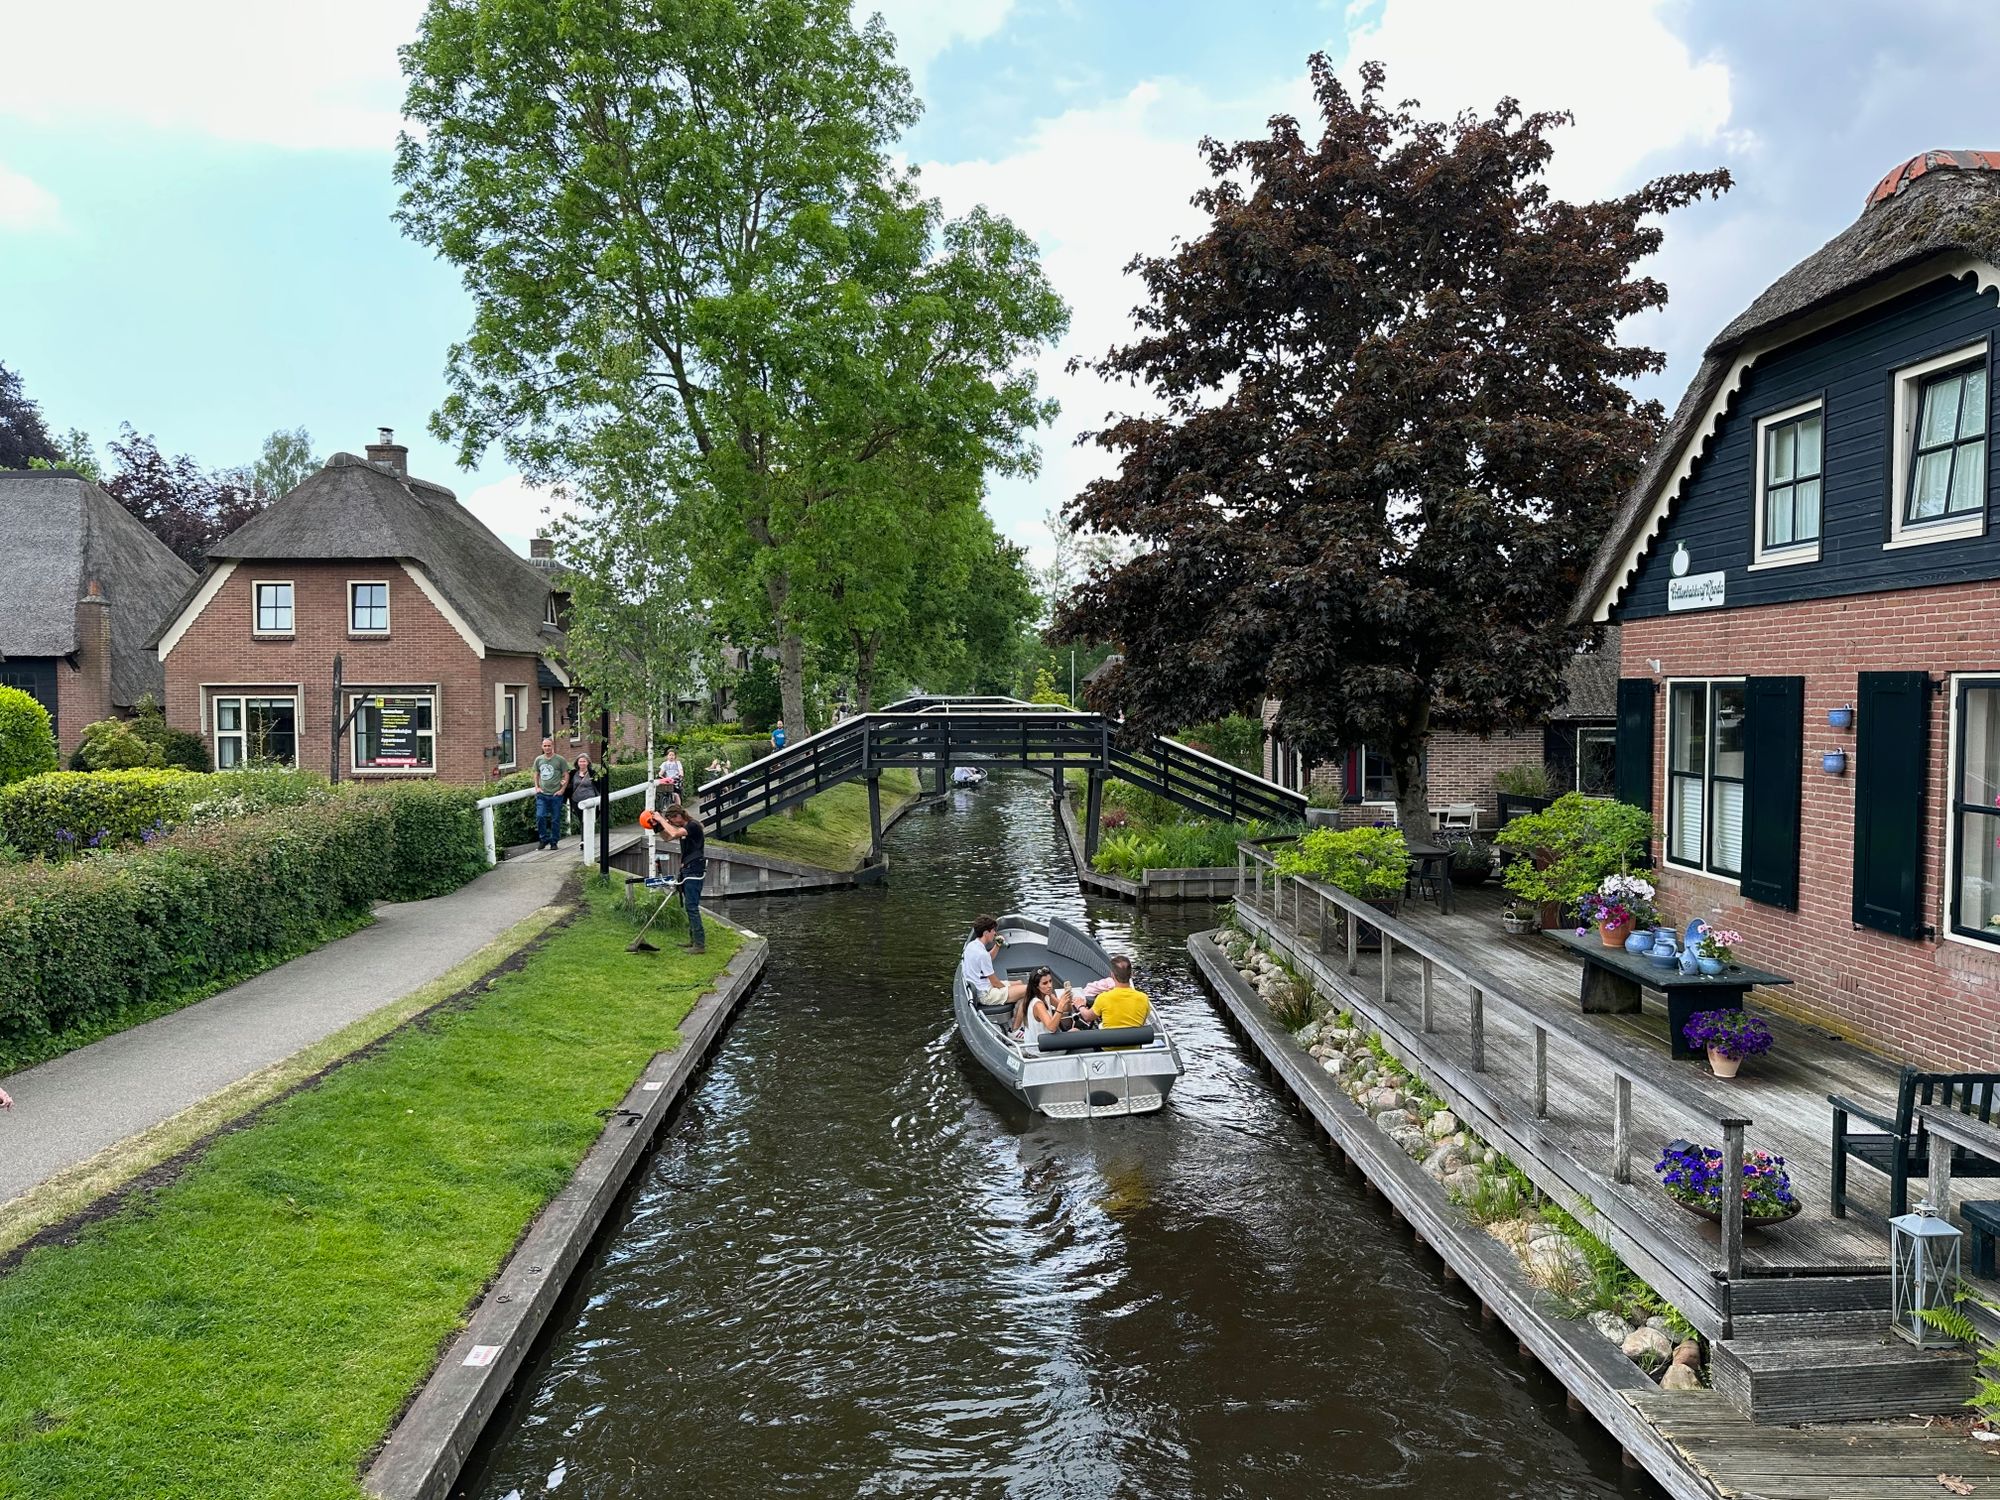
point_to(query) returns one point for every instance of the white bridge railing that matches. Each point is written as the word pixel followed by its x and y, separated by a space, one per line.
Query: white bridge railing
pixel 588 808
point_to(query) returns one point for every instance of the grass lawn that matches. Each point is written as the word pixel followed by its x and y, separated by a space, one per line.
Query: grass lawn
pixel 831 829
pixel 253 1328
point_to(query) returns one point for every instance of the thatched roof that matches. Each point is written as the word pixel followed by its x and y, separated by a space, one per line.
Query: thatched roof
pixel 353 508
pixel 63 533
pixel 1591 682
pixel 1936 206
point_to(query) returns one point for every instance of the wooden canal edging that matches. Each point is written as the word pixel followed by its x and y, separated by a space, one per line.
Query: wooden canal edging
pixel 1694 1443
pixel 429 1446
pixel 1190 884
pixel 1596 1374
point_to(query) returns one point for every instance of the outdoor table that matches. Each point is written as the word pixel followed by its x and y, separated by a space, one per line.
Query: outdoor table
pixel 1433 862
pixel 1613 978
pixel 1964 1131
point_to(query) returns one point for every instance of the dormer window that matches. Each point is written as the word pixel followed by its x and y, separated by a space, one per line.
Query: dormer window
pixel 549 612
pixel 1791 450
pixel 1939 469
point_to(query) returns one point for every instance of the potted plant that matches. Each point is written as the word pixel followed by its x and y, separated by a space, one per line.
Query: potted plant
pixel 1619 904
pixel 1524 789
pixel 1518 919
pixel 1471 862
pixel 1563 853
pixel 1372 863
pixel 1728 1036
pixel 1323 804
pixel 1692 1176
pixel 1715 949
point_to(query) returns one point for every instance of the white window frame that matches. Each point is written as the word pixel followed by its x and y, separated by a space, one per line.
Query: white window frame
pixel 1791 553
pixel 213 694
pixel 1710 684
pixel 549 611
pixel 1909 382
pixel 548 715
pixel 257 587
pixel 510 726
pixel 367 583
pixel 355 764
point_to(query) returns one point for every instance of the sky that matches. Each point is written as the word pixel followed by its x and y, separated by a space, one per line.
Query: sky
pixel 195 231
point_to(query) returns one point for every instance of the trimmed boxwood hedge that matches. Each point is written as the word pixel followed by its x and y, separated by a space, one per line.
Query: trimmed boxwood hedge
pixel 57 813
pixel 87 943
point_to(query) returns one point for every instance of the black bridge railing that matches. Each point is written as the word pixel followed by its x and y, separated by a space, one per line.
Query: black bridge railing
pixel 934 734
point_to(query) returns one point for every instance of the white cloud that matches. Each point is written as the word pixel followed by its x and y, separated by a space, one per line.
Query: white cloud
pixel 1632 84
pixel 298 73
pixel 25 203
pixel 517 510
pixel 925 28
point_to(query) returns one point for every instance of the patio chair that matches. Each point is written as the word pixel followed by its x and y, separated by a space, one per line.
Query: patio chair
pixel 1460 815
pixel 1899 1147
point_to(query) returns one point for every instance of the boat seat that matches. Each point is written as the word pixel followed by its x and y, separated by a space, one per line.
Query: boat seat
pixel 1066 941
pixel 1095 1040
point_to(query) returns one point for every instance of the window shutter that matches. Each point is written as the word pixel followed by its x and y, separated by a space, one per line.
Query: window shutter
pixel 1633 774
pixel 1774 727
pixel 1891 766
pixel 1350 775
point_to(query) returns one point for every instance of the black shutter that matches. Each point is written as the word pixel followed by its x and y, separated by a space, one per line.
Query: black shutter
pixel 1891 767
pixel 1633 773
pixel 1774 728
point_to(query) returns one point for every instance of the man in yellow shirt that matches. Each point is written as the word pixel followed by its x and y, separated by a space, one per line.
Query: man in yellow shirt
pixel 1121 1004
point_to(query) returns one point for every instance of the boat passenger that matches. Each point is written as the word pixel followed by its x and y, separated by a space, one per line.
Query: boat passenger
pixel 1050 1008
pixel 1121 973
pixel 979 969
pixel 1121 1005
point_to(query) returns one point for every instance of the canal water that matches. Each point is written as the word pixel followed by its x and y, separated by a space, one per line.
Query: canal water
pixel 856 1267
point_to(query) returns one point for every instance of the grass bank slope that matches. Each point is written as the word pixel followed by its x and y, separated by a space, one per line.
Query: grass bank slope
pixel 253 1327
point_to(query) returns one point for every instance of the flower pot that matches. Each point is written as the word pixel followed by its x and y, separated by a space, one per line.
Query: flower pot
pixel 1322 817
pixel 1722 1065
pixel 1710 966
pixel 1519 924
pixel 1834 762
pixel 1713 1213
pixel 1613 934
pixel 1840 718
pixel 1550 915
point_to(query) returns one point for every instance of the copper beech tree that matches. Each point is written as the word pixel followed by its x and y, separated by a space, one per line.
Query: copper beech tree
pixel 1393 421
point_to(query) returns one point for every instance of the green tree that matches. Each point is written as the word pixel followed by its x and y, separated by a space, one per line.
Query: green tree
pixel 27 743
pixel 1395 416
pixel 681 231
pixel 285 463
pixel 75 452
pixel 24 437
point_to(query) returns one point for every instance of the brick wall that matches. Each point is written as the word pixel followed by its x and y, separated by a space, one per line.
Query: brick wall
pixel 1931 1001
pixel 421 650
pixel 83 692
pixel 1461 768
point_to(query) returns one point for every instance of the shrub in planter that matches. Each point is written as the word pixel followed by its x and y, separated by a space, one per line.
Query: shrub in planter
pixel 1565 852
pixel 1471 862
pixel 27 742
pixel 1528 779
pixel 1734 1034
pixel 1372 863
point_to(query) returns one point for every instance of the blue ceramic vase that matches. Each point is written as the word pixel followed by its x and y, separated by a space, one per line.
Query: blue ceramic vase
pixel 1709 966
pixel 1639 942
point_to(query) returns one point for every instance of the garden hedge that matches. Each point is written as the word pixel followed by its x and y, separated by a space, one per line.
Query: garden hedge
pixel 27 743
pixel 88 941
pixel 56 814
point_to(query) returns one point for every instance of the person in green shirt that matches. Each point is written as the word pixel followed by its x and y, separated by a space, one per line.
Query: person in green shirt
pixel 551 772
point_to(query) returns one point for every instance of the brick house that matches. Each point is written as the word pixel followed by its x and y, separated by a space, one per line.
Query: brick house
pixel 1807 580
pixel 447 640
pixel 1574 745
pixel 85 586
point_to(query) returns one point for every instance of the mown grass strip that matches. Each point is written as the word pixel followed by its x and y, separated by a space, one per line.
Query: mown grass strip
pixel 253 1328
pixel 830 830
pixel 75 1188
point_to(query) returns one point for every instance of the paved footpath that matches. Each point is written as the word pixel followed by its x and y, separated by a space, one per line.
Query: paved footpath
pixel 67 1110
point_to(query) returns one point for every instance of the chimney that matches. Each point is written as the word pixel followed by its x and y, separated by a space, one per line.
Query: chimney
pixel 542 548
pixel 389 453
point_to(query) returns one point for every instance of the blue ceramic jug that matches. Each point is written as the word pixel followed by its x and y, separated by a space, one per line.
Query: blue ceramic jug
pixel 1664 952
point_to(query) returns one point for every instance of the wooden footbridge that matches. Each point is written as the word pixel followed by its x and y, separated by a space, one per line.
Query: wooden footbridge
pixel 935 734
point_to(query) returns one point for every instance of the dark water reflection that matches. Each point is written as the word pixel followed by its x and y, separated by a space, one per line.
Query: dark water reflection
pixel 856 1267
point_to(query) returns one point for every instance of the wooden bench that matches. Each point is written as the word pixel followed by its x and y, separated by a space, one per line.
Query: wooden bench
pixel 1899 1146
pixel 1613 979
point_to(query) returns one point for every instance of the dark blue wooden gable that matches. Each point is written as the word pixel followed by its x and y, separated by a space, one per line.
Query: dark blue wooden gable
pixel 1851 366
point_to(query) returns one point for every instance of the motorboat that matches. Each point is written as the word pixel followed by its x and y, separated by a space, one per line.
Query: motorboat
pixel 968 776
pixel 1067 1075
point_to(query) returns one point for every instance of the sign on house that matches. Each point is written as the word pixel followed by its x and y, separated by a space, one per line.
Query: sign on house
pixel 1695 591
pixel 392 738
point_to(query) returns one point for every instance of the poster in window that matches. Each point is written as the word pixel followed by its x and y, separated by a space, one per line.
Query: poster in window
pixel 395 734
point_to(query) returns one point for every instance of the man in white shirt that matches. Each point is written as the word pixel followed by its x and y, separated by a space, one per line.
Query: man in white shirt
pixel 979 969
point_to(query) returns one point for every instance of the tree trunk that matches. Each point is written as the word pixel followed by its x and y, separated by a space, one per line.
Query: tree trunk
pixel 1413 794
pixel 791 657
pixel 865 652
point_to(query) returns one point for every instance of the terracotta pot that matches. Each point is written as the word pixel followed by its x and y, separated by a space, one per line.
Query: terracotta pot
pixel 1613 934
pixel 1721 1066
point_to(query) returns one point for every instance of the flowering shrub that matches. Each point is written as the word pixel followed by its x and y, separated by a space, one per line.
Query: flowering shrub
pixel 1733 1033
pixel 1618 901
pixel 1718 943
pixel 1692 1175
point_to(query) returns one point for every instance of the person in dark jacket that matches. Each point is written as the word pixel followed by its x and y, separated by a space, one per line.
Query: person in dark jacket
pixel 584 781
pixel 684 826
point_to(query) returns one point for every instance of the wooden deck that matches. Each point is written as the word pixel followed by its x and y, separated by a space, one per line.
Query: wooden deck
pixel 1585 1061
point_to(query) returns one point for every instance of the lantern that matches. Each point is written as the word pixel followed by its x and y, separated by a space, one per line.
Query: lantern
pixel 1923 1274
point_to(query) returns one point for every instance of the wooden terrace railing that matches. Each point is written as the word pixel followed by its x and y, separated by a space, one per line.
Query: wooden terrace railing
pixel 1317 908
